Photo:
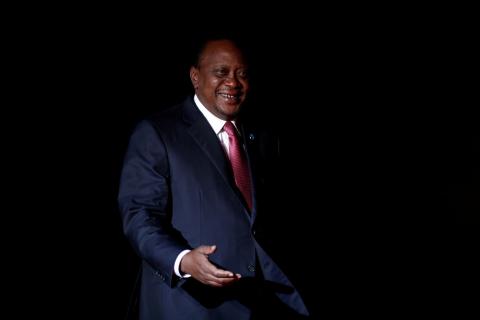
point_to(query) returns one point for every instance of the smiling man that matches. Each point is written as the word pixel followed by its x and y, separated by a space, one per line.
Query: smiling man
pixel 190 203
pixel 220 79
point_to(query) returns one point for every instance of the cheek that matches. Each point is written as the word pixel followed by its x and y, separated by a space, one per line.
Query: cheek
pixel 214 83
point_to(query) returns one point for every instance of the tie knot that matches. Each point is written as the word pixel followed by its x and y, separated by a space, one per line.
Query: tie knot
pixel 230 129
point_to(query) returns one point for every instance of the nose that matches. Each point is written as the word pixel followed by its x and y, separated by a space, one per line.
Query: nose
pixel 232 81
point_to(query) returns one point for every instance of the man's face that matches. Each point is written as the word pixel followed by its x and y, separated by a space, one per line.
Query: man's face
pixel 220 80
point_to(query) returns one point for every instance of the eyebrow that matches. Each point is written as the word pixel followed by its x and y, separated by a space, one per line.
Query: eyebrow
pixel 228 67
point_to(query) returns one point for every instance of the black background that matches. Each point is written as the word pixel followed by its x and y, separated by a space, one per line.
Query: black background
pixel 379 149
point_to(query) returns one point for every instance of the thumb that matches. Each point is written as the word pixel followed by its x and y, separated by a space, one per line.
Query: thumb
pixel 207 249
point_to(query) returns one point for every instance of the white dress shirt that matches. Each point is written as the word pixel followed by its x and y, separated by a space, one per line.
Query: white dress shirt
pixel 217 126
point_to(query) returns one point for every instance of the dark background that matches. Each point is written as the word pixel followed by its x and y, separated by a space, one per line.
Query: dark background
pixel 380 151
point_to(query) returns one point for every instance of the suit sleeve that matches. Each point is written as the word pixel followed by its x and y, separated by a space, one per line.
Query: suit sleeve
pixel 144 201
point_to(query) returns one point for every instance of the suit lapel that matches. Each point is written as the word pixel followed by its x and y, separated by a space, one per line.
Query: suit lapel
pixel 201 131
pixel 204 136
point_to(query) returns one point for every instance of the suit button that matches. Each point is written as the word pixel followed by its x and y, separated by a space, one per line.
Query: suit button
pixel 251 268
pixel 158 274
pixel 254 232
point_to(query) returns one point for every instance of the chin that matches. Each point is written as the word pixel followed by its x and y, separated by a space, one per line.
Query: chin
pixel 231 111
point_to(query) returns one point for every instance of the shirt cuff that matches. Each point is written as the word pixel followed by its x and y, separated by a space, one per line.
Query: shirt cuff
pixel 176 266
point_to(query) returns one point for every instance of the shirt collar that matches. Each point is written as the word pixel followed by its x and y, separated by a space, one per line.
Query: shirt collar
pixel 215 122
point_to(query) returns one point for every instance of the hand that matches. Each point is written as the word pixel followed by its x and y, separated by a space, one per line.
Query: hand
pixel 197 264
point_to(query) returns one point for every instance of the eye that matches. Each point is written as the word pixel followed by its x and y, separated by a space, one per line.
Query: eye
pixel 222 72
pixel 242 74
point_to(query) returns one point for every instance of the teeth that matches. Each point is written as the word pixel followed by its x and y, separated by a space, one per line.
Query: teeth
pixel 228 96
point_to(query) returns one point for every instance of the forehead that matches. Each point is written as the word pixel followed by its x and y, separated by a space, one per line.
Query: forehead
pixel 222 52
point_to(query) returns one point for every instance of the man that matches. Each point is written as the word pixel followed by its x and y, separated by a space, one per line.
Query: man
pixel 189 203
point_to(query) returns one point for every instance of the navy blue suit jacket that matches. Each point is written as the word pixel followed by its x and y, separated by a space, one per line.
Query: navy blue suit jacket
pixel 177 193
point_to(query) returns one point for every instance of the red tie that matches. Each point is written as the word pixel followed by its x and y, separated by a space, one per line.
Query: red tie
pixel 239 163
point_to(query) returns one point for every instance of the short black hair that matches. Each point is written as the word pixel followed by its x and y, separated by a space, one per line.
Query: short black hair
pixel 202 38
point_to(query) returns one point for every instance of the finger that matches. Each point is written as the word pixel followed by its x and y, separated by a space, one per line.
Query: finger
pixel 207 249
pixel 213 284
pixel 213 277
pixel 220 282
pixel 216 272
pixel 212 249
pixel 223 276
pixel 219 273
pixel 226 282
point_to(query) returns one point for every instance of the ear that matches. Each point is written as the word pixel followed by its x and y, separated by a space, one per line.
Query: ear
pixel 194 77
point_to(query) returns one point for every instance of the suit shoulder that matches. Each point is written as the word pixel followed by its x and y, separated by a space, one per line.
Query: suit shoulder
pixel 166 117
pixel 163 122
